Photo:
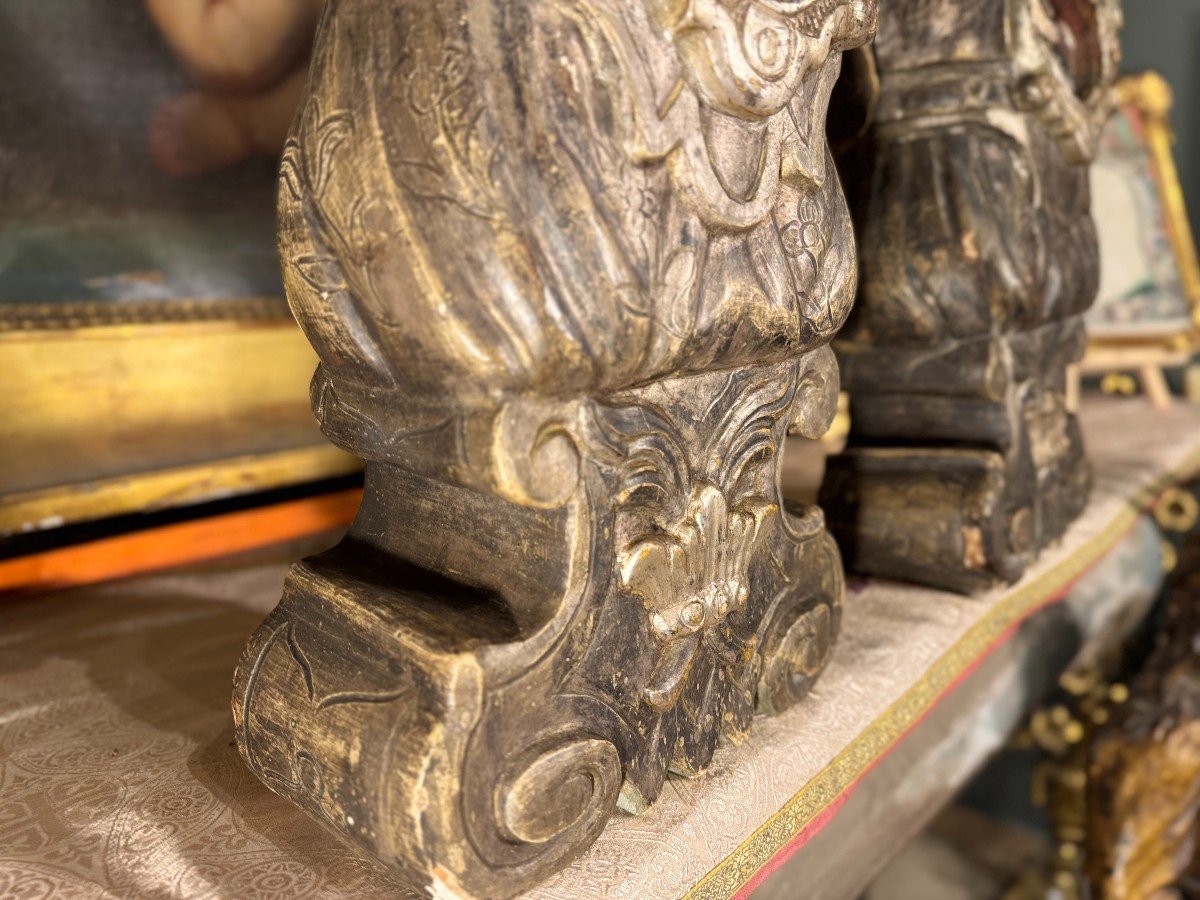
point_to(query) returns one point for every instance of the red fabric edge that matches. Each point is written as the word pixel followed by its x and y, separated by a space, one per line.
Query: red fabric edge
pixel 826 815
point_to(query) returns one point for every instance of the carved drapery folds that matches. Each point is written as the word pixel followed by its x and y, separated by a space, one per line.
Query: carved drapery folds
pixel 571 267
pixel 970 197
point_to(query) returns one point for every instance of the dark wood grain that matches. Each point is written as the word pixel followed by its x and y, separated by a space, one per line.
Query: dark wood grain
pixel 979 257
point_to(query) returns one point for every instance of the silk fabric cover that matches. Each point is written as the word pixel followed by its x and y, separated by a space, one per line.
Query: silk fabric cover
pixel 119 775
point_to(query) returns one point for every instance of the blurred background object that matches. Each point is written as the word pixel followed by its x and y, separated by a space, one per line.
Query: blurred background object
pixel 84 212
pixel 250 61
pixel 1163 35
pixel 1147 309
pixel 147 353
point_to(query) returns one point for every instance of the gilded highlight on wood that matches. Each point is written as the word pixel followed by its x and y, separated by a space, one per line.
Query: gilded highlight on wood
pixel 979 257
pixel 571 268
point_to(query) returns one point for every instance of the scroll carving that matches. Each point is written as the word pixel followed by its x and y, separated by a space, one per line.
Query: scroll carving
pixel 571 268
pixel 970 197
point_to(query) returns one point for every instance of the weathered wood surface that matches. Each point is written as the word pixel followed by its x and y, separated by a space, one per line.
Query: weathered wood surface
pixel 970 198
pixel 571 267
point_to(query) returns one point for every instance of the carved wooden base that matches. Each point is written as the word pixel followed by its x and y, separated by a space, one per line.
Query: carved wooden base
pixel 961 473
pixel 978 256
pixel 468 688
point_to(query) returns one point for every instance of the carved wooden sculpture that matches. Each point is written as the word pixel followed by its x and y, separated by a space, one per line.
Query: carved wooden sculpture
pixel 571 267
pixel 1144 781
pixel 970 195
pixel 1142 824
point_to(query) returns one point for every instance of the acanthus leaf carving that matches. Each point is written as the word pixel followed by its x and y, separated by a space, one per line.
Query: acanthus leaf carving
pixel 692 577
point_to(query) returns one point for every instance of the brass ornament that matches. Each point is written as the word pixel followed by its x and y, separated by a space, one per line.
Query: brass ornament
pixel 1118 384
pixel 1064 733
pixel 1177 510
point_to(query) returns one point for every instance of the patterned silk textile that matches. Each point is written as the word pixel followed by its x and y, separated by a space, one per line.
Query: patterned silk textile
pixel 119 775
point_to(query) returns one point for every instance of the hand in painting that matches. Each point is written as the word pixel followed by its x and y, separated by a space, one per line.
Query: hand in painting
pixel 249 59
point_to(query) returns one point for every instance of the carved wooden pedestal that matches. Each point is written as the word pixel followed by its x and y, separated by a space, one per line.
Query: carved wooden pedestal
pixel 571 267
pixel 979 258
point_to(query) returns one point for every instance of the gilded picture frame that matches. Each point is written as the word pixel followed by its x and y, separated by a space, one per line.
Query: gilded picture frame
pixel 121 407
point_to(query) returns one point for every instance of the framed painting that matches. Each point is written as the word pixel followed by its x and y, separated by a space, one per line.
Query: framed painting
pixel 1147 311
pixel 147 357
pixel 1149 279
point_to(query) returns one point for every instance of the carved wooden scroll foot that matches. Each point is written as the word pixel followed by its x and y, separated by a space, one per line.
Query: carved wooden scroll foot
pixel 970 198
pixel 468 688
pixel 960 491
pixel 572 268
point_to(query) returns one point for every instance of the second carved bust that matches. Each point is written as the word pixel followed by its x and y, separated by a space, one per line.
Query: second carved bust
pixel 979 259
